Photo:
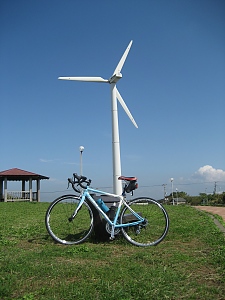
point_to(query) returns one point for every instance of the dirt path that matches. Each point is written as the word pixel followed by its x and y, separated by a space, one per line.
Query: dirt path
pixel 214 210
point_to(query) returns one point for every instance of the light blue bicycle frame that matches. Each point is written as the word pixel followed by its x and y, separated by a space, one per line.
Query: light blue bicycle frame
pixel 85 194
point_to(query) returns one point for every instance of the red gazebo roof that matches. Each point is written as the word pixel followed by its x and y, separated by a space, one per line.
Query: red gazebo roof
pixel 18 174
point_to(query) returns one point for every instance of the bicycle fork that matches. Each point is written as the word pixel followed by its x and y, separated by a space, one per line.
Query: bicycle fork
pixel 70 219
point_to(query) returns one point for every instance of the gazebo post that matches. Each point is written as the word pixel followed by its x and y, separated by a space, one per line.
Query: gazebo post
pixel 1 190
pixel 30 188
pixel 5 189
pixel 38 190
pixel 23 189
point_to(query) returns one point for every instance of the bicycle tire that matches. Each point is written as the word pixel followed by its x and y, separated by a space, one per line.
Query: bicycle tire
pixel 155 227
pixel 61 228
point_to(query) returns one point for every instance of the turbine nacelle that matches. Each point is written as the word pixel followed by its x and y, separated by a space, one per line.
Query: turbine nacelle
pixel 115 78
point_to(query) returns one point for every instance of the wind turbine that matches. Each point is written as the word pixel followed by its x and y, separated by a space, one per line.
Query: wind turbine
pixel 117 186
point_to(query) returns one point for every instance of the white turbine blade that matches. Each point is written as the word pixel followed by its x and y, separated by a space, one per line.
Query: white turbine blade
pixel 122 60
pixel 91 79
pixel 125 108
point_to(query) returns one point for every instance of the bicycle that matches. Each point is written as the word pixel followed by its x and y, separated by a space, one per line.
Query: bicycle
pixel 142 221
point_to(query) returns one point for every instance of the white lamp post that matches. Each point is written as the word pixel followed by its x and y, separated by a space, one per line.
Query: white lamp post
pixel 81 152
pixel 177 195
pixel 171 179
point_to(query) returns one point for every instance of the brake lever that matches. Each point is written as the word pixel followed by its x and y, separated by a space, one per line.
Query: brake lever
pixel 70 181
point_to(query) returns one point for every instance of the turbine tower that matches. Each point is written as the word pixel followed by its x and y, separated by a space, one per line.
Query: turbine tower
pixel 117 185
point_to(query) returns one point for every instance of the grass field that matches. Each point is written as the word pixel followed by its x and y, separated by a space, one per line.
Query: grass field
pixel 188 264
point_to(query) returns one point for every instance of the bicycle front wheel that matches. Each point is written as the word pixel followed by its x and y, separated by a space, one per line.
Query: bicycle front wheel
pixel 64 229
pixel 152 230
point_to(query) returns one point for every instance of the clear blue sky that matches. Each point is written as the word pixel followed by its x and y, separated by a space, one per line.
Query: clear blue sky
pixel 173 83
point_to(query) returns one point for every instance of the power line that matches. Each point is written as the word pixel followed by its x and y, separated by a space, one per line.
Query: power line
pixel 148 186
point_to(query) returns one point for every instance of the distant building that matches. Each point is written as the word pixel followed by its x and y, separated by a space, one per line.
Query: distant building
pixel 177 201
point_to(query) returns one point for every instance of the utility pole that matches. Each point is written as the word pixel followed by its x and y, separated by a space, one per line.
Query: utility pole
pixel 177 195
pixel 215 185
pixel 164 187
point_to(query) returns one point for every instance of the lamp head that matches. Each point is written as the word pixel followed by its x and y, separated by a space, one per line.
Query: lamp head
pixel 81 149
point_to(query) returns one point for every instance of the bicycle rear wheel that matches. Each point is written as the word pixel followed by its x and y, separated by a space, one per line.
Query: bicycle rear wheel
pixel 59 225
pixel 154 227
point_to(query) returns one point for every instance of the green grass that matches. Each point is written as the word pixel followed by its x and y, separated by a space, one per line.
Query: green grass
pixel 188 264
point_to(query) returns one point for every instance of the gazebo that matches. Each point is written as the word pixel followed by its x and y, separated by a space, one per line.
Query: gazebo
pixel 23 176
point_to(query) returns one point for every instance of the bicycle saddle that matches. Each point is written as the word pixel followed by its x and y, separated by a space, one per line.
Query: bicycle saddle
pixel 127 178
